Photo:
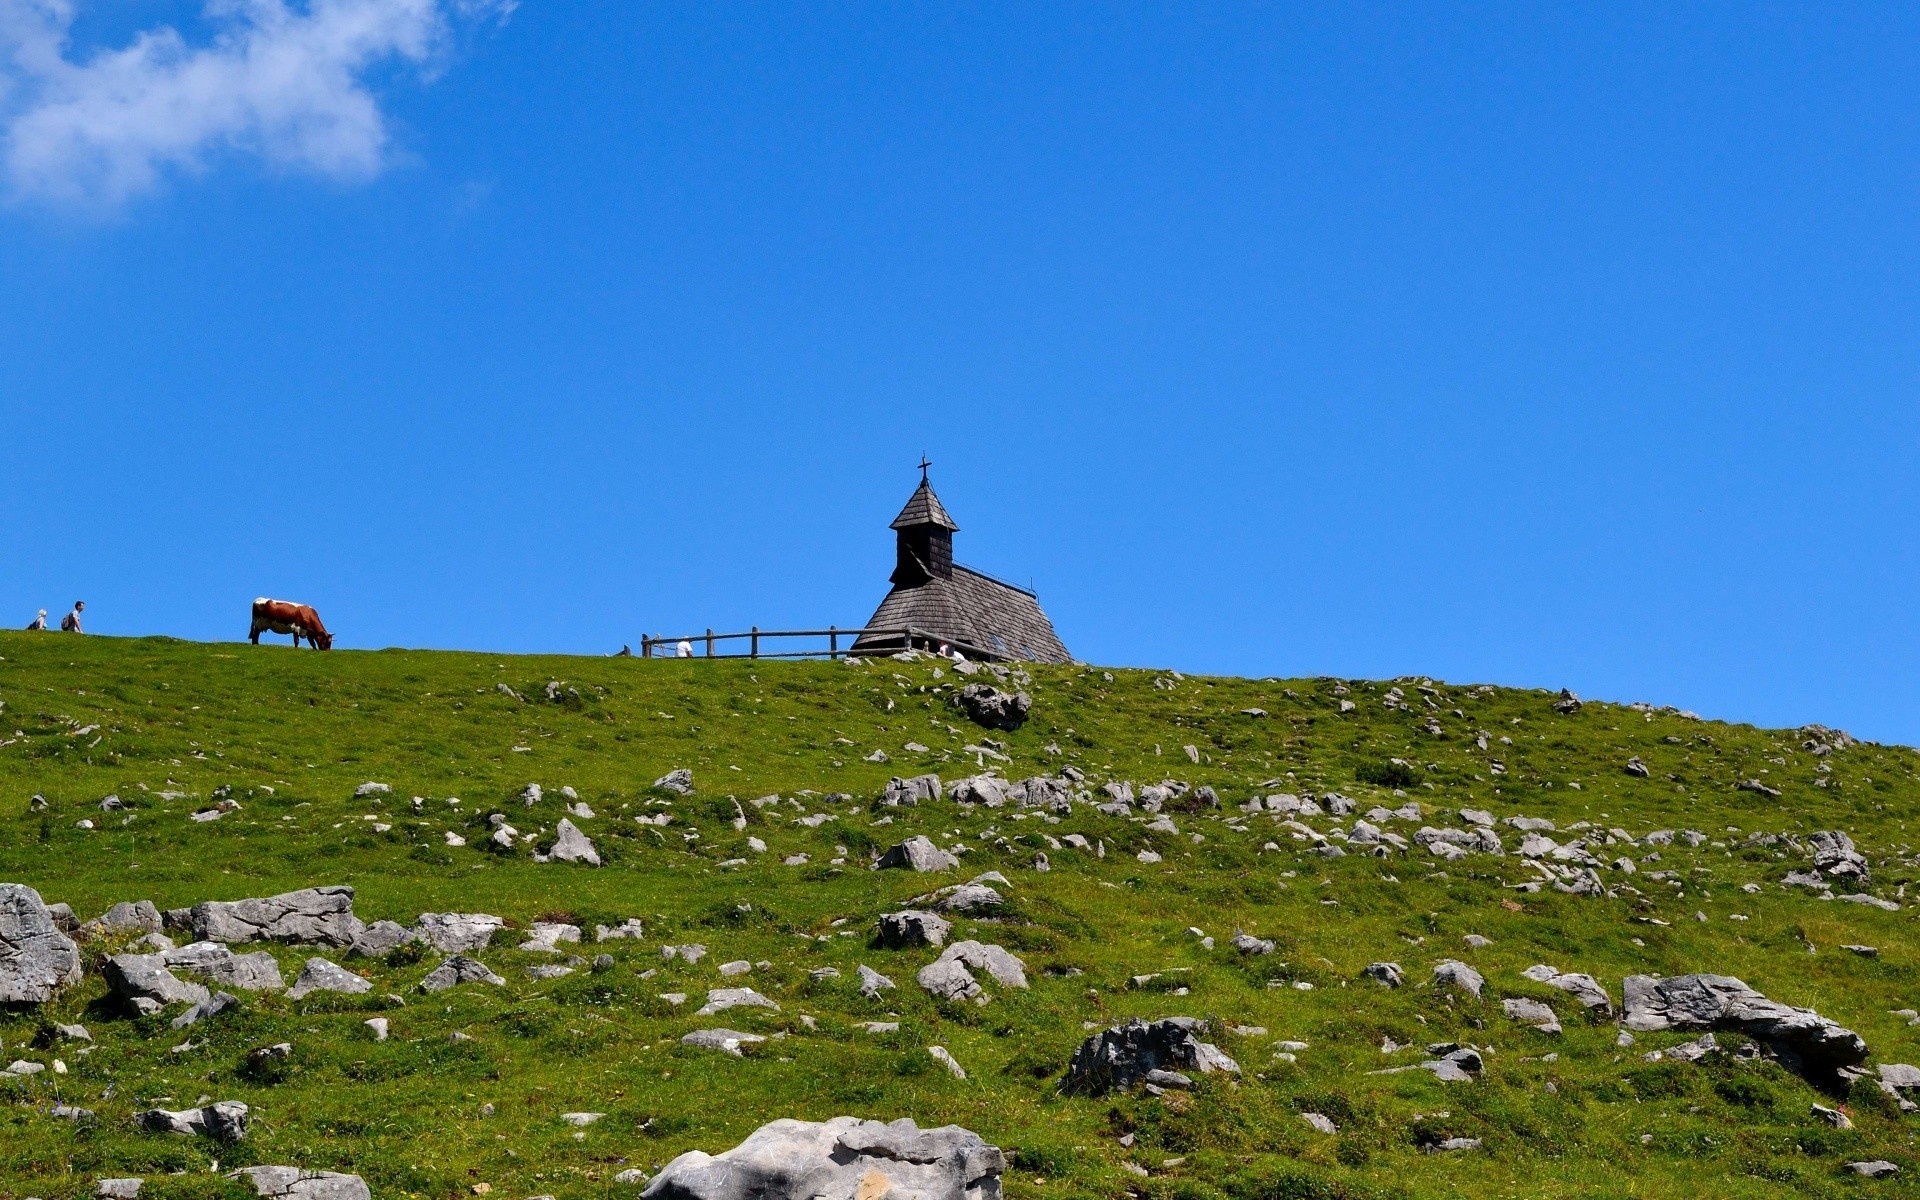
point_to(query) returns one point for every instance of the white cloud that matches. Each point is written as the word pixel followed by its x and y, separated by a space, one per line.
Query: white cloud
pixel 284 82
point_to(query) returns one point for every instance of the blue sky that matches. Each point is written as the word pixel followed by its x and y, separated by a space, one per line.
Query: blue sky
pixel 1539 345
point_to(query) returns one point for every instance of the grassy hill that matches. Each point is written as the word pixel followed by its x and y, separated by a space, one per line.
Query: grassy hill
pixel 168 726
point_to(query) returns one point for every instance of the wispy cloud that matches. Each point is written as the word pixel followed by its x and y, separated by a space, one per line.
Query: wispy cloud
pixel 284 82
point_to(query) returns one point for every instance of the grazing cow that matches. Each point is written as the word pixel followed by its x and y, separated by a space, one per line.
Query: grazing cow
pixel 297 619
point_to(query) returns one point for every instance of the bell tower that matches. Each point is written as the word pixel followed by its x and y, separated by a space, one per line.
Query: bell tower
pixel 924 537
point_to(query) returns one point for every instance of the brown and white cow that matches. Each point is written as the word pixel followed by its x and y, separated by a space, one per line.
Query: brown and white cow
pixel 300 620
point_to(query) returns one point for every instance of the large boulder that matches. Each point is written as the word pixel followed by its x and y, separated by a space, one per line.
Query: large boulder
pixel 128 916
pixel 570 845
pixel 1834 855
pixel 917 853
pixel 913 791
pixel 993 708
pixel 321 915
pixel 911 927
pixel 845 1157
pixel 1142 1052
pixel 36 959
pixel 223 1121
pixel 298 1183
pixel 145 983
pixel 950 976
pixel 250 972
pixel 457 933
pixel 1801 1038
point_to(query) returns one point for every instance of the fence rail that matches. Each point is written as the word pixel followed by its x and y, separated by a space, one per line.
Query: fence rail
pixel 904 638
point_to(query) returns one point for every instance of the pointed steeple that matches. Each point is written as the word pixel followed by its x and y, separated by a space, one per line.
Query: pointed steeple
pixel 924 545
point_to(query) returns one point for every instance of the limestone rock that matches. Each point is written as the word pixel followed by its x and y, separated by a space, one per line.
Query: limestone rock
pixel 992 708
pixel 912 927
pixel 843 1157
pixel 457 933
pixel 145 983
pixel 458 970
pixel 36 959
pixel 321 915
pixel 1386 974
pixel 917 853
pixel 678 780
pixel 728 1040
pixel 950 976
pixel 296 1183
pixel 1804 1040
pixel 319 975
pixel 211 960
pixel 1460 975
pixel 1584 988
pixel 914 791
pixel 872 982
pixel 224 1121
pixel 1124 1056
pixel 380 939
pixel 722 999
pixel 128 916
pixel 570 845
pixel 1835 857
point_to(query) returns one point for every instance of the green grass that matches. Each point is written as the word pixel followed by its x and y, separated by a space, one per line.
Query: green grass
pixel 408 1113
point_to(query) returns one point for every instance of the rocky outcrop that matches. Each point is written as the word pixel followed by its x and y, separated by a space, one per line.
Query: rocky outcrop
pixel 912 927
pixel 210 960
pixel 845 1157
pixel 1802 1039
pixel 145 983
pixel 992 708
pixel 457 933
pixel 570 845
pixel 322 915
pixel 1834 855
pixel 36 959
pixel 1139 1052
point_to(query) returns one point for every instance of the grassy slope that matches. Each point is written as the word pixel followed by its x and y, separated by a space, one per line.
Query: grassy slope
pixel 407 1113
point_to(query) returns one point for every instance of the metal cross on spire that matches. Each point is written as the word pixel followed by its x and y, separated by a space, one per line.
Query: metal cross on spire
pixel 925 462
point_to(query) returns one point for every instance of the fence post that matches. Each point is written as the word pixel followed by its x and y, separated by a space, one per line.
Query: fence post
pixel 833 642
pixel 756 643
pixel 709 642
pixel 646 646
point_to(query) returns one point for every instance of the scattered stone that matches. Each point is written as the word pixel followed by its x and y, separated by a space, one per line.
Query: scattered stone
pixel 117 1189
pixel 912 927
pixel 380 939
pixel 679 780
pixel 1832 1116
pixel 729 1040
pixel 688 954
pixel 319 975
pixel 969 898
pixel 458 970
pixel 1460 975
pixel 457 933
pixel 572 846
pixel 722 999
pixel 378 1027
pixel 1320 1122
pixel 910 792
pixel 1532 1012
pixel 872 982
pixel 128 916
pixel 946 1060
pixel 1246 943
pixel 738 966
pixel 1870 901
pixel 1125 1056
pixel 212 1006
pixel 949 978
pixel 1584 988
pixel 629 928
pixel 145 983
pixel 992 708
pixel 249 972
pixel 225 1121
pixel 1863 951
pixel 298 1183
pixel 37 960
pixel 322 915
pixel 1386 974
pixel 1878 1168
pixel 544 937
pixel 844 1157
pixel 1637 769
pixel 917 853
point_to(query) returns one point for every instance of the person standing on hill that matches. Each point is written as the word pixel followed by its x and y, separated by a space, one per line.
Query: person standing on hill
pixel 71 622
pixel 39 622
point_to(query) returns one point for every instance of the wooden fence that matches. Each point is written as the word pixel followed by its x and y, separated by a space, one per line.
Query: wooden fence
pixel 705 645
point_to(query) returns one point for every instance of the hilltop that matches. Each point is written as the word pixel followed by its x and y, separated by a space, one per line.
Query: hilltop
pixel 238 771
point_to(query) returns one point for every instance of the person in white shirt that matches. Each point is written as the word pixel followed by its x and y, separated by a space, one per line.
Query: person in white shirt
pixel 71 622
pixel 683 650
pixel 40 622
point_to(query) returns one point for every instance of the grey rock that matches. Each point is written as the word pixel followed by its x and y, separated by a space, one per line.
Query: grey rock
pixel 212 1006
pixel 1532 1012
pixel 128 916
pixel 72 1033
pixel 117 1189
pixel 544 937
pixel 917 790
pixel 1870 901
pixel 1835 857
pixel 1460 975
pixel 872 982
pixel 917 853
pixel 844 1157
pixel 380 939
pixel 458 970
pixel 212 960
pixel 969 898
pixel 319 975
pixel 1637 769
pixel 631 928
pixel 1878 1168
pixel 728 1040
pixel 1692 1051
pixel 570 845
pixel 145 983
pixel 1386 974
pixel 297 1183
pixel 457 933
pixel 721 999
pixel 1584 988
pixel 37 960
pixel 1123 1056
pixel 1453 1145
pixel 911 927
pixel 1246 943
pixel 691 953
pixel 988 790
pixel 679 780
pixel 1801 1038
pixel 992 708
pixel 225 1121
pixel 1320 1122
pixel 950 976
pixel 322 915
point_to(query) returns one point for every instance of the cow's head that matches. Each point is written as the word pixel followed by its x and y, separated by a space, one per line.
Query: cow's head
pixel 324 640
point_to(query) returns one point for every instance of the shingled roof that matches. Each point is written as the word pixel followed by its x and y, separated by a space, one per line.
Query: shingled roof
pixel 936 596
